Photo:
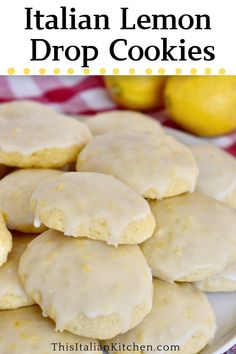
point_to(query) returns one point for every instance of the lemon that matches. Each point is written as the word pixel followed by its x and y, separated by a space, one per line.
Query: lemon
pixel 203 105
pixel 136 92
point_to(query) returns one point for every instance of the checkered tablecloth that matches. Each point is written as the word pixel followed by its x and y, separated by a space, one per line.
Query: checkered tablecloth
pixel 79 95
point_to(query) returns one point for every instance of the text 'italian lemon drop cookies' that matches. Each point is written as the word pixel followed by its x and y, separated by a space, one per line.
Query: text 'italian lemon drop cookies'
pixel 25 331
pixel 221 282
pixel 195 238
pixel 155 165
pixel 12 294
pixel 41 140
pixel 5 240
pixel 122 121
pixel 181 316
pixel 217 177
pixel 94 205
pixel 15 193
pixel 102 290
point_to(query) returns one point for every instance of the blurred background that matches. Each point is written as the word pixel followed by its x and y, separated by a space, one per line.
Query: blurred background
pixel 203 106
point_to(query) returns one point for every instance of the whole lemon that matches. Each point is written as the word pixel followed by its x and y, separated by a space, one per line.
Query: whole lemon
pixel 136 92
pixel 203 105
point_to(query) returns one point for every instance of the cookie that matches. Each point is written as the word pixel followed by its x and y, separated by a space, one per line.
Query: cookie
pixel 5 241
pixel 155 165
pixel 222 282
pixel 19 108
pixel 41 140
pixel 87 287
pixel 94 205
pixel 15 193
pixel 122 121
pixel 195 238
pixel 12 294
pixel 181 320
pixel 217 177
pixel 25 331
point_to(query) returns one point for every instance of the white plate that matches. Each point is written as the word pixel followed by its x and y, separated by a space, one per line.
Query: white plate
pixel 224 304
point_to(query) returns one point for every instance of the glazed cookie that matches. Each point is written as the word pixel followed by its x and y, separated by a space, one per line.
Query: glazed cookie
pixel 16 109
pixel 222 282
pixel 15 193
pixel 155 165
pixel 195 239
pixel 181 316
pixel 12 294
pixel 5 241
pixel 94 205
pixel 116 291
pixel 122 121
pixel 217 177
pixel 44 141
pixel 25 331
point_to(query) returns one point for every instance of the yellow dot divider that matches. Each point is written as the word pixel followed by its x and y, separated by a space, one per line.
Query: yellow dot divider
pixel 117 71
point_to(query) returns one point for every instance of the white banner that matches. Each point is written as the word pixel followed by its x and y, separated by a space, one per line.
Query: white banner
pixel 117 37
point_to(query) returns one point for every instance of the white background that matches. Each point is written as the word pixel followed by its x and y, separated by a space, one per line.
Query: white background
pixel 16 45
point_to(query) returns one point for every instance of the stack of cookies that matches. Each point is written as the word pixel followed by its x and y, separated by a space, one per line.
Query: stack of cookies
pixel 113 235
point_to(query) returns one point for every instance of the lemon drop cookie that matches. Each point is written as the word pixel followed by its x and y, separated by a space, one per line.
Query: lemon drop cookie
pixel 117 121
pixel 221 282
pixel 217 177
pixel 181 319
pixel 87 287
pixel 12 294
pixel 94 205
pixel 19 108
pixel 15 193
pixel 5 240
pixel 155 165
pixel 25 331
pixel 41 140
pixel 195 238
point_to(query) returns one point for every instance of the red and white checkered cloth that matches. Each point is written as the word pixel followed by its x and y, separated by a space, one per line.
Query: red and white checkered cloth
pixel 79 95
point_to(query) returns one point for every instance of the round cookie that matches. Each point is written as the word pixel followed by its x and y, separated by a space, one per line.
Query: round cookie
pixel 122 121
pixel 217 177
pixel 181 316
pixel 103 290
pixel 222 282
pixel 195 238
pixel 19 108
pixel 155 165
pixel 94 205
pixel 25 331
pixel 43 141
pixel 15 193
pixel 12 294
pixel 5 240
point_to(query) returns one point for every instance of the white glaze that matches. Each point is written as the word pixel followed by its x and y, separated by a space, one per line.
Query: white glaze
pixel 33 132
pixel 85 197
pixel 144 161
pixel 179 312
pixel 196 233
pixel 25 331
pixel 107 275
pixel 217 177
pixel 10 284
pixel 123 121
pixel 15 193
